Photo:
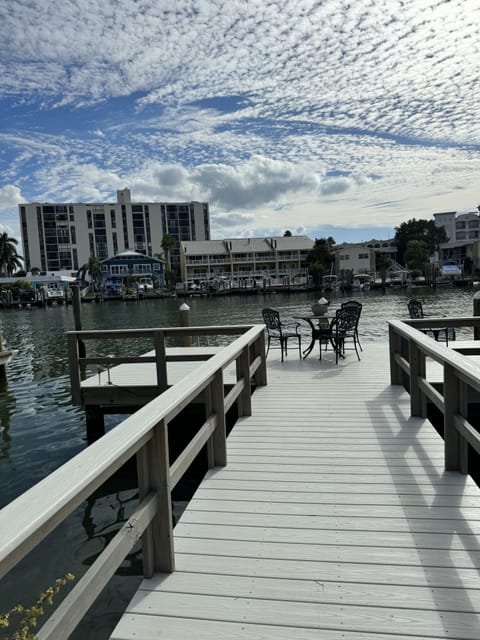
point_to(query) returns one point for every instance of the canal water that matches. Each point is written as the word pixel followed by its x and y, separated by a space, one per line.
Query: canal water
pixel 40 429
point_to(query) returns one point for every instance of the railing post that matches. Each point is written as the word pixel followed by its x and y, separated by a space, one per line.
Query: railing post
pixel 243 372
pixel 215 404
pixel 259 350
pixel 394 343
pixel 75 380
pixel 162 556
pixel 77 316
pixel 143 476
pixel 417 369
pixel 161 361
pixel 451 396
pixel 463 399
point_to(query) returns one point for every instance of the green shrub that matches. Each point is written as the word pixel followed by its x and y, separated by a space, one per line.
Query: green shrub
pixel 28 617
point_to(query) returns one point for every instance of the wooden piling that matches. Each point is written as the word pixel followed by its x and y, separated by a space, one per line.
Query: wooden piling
pixel 185 321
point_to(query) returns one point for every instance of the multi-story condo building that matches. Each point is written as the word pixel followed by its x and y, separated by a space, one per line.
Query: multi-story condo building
pixel 463 231
pixel 62 236
pixel 459 226
pixel 280 259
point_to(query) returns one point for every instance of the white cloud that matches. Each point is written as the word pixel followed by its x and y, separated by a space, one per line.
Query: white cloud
pixel 363 113
pixel 10 196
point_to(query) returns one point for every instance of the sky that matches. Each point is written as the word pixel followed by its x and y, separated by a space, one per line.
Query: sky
pixel 324 117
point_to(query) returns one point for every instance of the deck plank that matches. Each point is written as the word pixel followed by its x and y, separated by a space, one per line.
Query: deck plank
pixel 334 518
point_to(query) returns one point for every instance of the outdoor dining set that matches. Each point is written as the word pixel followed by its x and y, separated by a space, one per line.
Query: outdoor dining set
pixel 330 329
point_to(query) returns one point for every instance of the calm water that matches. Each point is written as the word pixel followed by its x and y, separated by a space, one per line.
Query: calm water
pixel 40 429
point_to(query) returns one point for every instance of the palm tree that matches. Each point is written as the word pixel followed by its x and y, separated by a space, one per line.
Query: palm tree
pixel 167 244
pixel 92 268
pixel 9 258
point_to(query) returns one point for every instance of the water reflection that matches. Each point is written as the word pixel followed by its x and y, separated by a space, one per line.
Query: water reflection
pixel 104 515
pixel 7 407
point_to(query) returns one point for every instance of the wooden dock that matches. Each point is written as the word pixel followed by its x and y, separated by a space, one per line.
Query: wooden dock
pixel 334 518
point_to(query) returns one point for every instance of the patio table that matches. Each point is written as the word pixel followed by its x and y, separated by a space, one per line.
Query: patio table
pixel 319 332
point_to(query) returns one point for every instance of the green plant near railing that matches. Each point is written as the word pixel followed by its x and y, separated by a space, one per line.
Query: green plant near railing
pixel 29 615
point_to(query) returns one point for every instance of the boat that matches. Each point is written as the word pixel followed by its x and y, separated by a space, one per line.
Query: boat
pixel 330 282
pixel 450 273
pixel 130 294
pixel 145 285
pixel 398 279
pixel 54 295
pixel 361 282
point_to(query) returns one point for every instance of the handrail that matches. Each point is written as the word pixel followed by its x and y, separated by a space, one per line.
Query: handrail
pixel 26 521
pixel 409 349
pixel 157 334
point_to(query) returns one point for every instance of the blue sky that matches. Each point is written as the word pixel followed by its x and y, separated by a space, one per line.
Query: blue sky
pixel 325 117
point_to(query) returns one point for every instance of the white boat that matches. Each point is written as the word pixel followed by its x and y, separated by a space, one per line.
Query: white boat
pixel 145 285
pixel 361 282
pixel 54 294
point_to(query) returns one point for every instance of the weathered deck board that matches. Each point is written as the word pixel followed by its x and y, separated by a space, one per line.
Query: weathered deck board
pixel 334 518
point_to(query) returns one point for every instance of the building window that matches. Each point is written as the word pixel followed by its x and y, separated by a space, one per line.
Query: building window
pixel 99 220
pixel 125 227
pixel 113 220
pixel 26 250
pixel 89 219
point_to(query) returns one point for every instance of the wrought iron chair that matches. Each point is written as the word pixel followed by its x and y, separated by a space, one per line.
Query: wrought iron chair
pixel 281 331
pixel 354 307
pixel 343 328
pixel 415 310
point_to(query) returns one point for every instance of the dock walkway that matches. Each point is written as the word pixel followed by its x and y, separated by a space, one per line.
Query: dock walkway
pixel 334 518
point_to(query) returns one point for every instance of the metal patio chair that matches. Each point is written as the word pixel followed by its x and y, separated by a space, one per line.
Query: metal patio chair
pixel 354 307
pixel 281 331
pixel 415 310
pixel 342 329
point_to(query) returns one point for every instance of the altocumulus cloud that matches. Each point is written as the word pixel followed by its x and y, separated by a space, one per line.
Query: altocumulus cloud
pixel 252 104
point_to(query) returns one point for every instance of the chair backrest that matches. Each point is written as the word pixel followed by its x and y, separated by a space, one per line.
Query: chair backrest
pixel 415 308
pixel 353 309
pixel 354 304
pixel 271 319
pixel 345 321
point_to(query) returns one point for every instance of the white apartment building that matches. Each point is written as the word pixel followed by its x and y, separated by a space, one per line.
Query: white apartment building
pixel 459 226
pixel 236 258
pixel 463 231
pixel 361 258
pixel 62 236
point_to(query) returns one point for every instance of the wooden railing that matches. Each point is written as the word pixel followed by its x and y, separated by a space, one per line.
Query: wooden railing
pixel 26 521
pixel 409 350
pixel 157 336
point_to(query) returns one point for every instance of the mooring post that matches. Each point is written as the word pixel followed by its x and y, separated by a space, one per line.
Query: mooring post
pixel 185 321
